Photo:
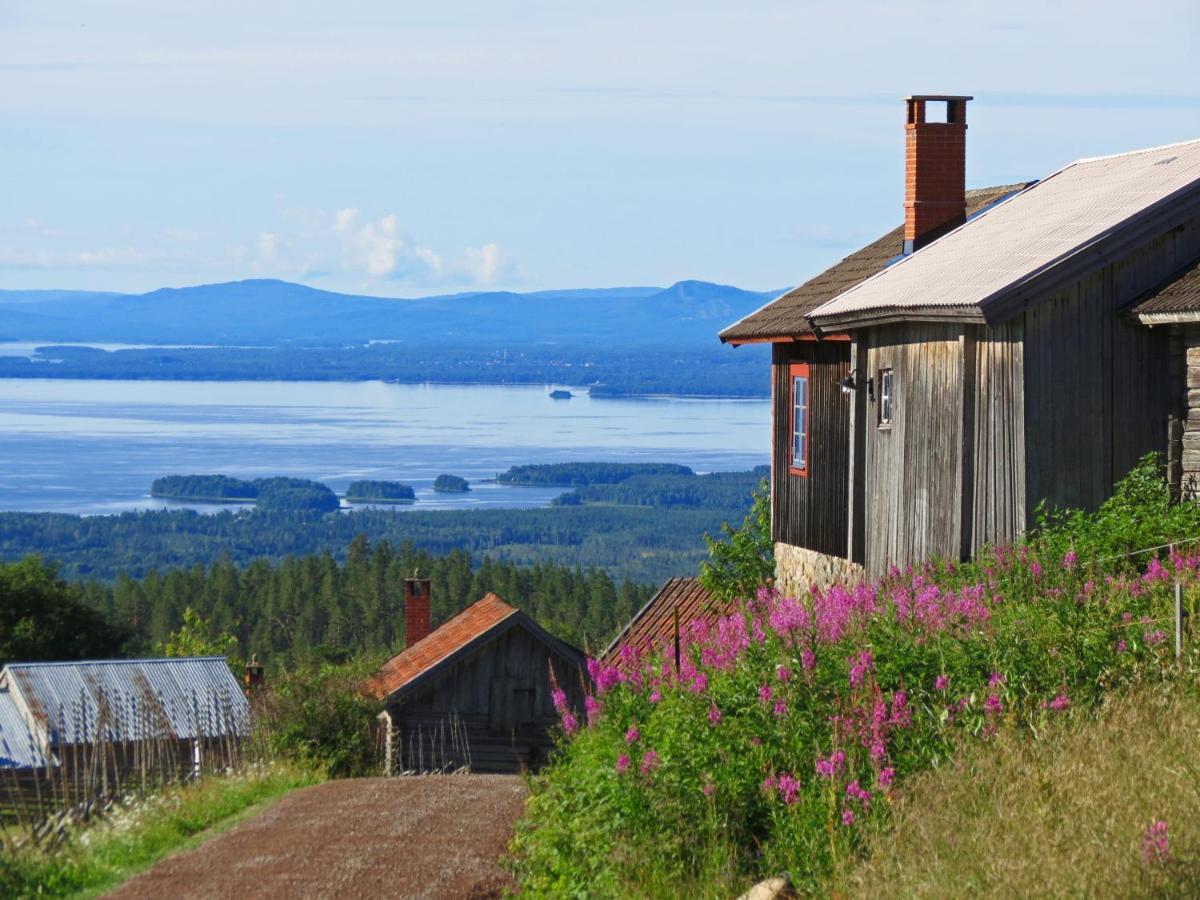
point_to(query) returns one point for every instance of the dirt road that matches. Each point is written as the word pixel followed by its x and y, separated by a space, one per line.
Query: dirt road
pixel 432 836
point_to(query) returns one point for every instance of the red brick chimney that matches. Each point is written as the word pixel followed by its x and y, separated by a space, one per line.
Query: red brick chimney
pixel 935 167
pixel 416 609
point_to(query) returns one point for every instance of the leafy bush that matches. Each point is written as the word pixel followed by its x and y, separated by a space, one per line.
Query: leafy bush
pixel 319 716
pixel 745 558
pixel 781 739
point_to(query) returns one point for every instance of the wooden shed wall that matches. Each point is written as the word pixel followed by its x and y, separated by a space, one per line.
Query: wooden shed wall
pixel 492 710
pixel 994 464
pixel 813 511
pixel 912 484
pixel 1097 383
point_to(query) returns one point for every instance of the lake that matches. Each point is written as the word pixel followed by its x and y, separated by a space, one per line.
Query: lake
pixel 93 447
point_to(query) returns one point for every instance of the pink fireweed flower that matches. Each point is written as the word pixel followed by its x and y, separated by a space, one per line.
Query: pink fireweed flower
pixel 1070 561
pixel 650 762
pixel 608 678
pixel 993 705
pixel 847 817
pixel 996 678
pixel 633 735
pixel 768 785
pixel 886 777
pixel 789 788
pixel 1154 637
pixel 780 709
pixel 756 741
pixel 570 724
pixel 765 693
pixel 714 715
pixel 808 659
pixel 1122 646
pixel 1156 571
pixel 699 683
pixel 941 682
pixel 623 762
pixel 593 708
pixel 1126 617
pixel 1059 703
pixel 831 767
pixel 708 789
pixel 1155 844
pixel 860 666
pixel 1035 569
pixel 655 696
pixel 559 697
pixel 783 674
pixel 856 791
pixel 901 716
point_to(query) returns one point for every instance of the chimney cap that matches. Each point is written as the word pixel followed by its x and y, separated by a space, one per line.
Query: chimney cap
pixel 938 97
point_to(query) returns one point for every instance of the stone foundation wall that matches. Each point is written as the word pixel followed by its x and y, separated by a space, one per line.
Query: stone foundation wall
pixel 798 569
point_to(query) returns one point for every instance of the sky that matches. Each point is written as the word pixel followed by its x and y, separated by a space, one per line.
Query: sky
pixel 405 149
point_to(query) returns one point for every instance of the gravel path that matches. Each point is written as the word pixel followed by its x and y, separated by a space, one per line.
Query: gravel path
pixel 428 836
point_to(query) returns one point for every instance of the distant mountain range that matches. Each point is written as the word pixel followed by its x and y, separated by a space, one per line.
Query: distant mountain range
pixel 264 312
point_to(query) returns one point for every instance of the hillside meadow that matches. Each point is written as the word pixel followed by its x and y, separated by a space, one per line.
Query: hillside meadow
pixel 792 732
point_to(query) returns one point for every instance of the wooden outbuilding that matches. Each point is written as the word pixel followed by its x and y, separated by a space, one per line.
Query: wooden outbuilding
pixel 992 354
pixel 475 693
pixel 662 625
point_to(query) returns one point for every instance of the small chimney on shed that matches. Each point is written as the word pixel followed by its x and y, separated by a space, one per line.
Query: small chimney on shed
pixel 416 608
pixel 935 167
pixel 254 677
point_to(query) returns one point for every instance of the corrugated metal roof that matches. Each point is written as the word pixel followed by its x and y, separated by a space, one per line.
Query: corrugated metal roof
pixel 18 748
pixel 787 315
pixel 127 700
pixel 977 263
pixel 654 626
pixel 1176 301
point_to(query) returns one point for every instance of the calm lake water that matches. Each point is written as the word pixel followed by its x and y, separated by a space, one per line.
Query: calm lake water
pixel 93 447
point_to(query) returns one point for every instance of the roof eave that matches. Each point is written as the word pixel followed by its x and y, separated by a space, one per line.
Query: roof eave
pixel 836 322
pixel 1171 318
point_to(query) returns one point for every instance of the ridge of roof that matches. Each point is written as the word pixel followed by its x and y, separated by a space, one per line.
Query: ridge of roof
pixel 141 661
pixel 1106 156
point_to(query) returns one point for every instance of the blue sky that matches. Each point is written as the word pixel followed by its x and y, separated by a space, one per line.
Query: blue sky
pixel 402 149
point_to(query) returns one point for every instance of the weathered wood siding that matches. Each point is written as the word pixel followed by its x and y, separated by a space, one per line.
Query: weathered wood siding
pixel 912 485
pixel 1186 388
pixel 491 711
pixel 994 463
pixel 813 511
pixel 1097 383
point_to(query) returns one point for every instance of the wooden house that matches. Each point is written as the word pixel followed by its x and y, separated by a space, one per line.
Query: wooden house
pixel 475 693
pixel 88 727
pixel 1004 347
pixel 663 623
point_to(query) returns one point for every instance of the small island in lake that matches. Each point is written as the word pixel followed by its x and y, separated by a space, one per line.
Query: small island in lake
pixel 270 494
pixel 451 484
pixel 561 395
pixel 379 492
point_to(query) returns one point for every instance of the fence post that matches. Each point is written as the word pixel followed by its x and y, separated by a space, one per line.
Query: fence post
pixel 1178 622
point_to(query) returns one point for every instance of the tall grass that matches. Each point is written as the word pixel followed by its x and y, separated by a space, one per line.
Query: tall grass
pixel 1064 815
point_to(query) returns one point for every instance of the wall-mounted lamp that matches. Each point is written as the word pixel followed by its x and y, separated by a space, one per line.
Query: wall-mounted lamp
pixel 848 384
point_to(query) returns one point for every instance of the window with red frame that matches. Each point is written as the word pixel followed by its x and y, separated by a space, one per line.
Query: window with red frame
pixel 798 448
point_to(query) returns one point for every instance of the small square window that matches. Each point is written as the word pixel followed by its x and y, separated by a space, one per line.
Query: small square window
pixel 886 398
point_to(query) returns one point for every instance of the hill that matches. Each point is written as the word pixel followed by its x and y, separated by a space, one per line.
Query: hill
pixel 266 312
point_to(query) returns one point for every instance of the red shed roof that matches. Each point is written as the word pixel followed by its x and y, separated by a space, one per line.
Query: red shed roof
pixel 654 626
pixel 455 635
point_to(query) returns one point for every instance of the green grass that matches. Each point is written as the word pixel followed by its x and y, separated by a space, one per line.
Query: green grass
pixel 103 855
pixel 1056 816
